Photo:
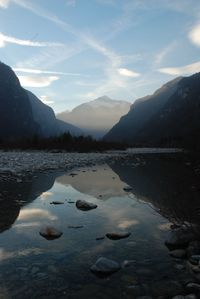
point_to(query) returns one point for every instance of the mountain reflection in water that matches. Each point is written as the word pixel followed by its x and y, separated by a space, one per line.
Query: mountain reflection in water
pixel 33 266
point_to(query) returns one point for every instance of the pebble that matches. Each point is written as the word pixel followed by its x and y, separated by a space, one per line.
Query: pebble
pixel 76 227
pixel 178 253
pixel 118 236
pixel 34 270
pixel 192 286
pixel 127 263
pixel 179 238
pixel 100 238
pixel 127 188
pixel 105 266
pixel 50 233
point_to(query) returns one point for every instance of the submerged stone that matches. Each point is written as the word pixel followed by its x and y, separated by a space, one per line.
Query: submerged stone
pixel 178 253
pixel 105 266
pixel 179 238
pixel 118 236
pixel 75 226
pixel 192 286
pixel 50 233
pixel 85 205
pixel 56 203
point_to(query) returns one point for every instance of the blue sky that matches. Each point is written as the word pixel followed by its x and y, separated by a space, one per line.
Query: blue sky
pixel 71 51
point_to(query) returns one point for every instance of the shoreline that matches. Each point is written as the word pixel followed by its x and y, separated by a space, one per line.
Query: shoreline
pixel 23 163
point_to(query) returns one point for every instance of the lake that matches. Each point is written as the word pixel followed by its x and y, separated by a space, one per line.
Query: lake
pixel 163 196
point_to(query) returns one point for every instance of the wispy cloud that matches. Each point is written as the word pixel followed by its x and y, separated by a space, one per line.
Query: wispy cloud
pixel 128 73
pixel 164 52
pixel 51 56
pixel 114 79
pixel 37 81
pixel 183 70
pixel 4 39
pixel 36 71
pixel 4 3
pixel 194 35
pixel 46 100
pixel 106 2
pixel 71 3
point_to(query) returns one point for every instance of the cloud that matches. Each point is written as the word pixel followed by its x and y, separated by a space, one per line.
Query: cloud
pixel 45 100
pixel 182 70
pixel 194 35
pixel 114 61
pixel 4 3
pixel 37 81
pixel 36 71
pixel 128 73
pixel 71 3
pixel 4 39
pixel 164 52
pixel 28 214
pixel 106 2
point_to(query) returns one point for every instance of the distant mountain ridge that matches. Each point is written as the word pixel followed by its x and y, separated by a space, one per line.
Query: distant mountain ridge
pixel 171 116
pixel 96 117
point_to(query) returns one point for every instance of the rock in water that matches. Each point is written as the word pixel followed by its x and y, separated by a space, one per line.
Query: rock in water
pixel 104 266
pixel 118 236
pixel 50 233
pixel 85 205
pixel 179 238
pixel 57 203
pixel 178 253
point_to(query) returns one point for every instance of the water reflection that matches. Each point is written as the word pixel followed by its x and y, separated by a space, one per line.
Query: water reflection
pixel 167 183
pixel 55 268
pixel 104 182
pixel 15 195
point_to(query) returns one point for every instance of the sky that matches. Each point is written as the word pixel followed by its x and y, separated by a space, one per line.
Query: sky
pixel 68 52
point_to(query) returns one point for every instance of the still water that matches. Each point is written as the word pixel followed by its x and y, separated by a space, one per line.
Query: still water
pixel 164 191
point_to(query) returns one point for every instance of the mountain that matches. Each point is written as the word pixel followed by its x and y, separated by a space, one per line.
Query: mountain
pixel 96 117
pixel 23 115
pixel 141 112
pixel 16 117
pixel 178 123
pixel 45 117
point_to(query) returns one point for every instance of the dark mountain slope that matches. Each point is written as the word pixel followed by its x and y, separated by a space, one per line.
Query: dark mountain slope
pixel 16 118
pixel 141 113
pixel 45 117
pixel 178 123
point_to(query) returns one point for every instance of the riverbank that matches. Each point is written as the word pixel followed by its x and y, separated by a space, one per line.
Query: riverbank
pixel 20 163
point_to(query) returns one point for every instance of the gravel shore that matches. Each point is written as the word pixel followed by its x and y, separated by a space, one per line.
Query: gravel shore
pixel 16 163
pixel 23 163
